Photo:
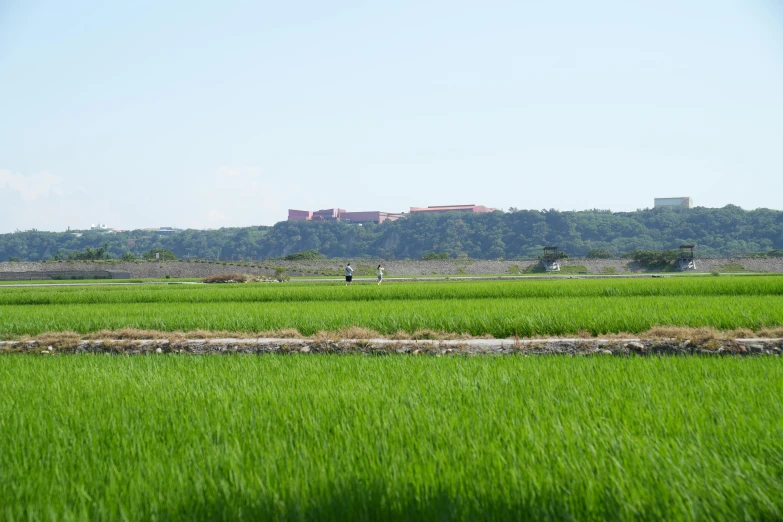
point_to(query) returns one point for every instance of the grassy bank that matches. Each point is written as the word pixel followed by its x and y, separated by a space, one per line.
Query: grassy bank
pixel 339 438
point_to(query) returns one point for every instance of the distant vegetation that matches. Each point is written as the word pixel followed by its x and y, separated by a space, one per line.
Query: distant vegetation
pixel 88 254
pixel 769 253
pixel 307 255
pixel 162 254
pixel 432 256
pixel 653 259
pixel 716 232
pixel 600 253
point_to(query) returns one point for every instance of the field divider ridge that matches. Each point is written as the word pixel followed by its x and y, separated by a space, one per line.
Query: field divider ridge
pixel 542 346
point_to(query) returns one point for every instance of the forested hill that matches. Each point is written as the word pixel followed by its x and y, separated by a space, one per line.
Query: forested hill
pixel 728 231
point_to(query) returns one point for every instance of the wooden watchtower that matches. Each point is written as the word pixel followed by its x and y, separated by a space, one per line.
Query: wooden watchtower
pixel 686 261
pixel 550 260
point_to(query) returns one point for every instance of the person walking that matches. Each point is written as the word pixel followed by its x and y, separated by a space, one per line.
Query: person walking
pixel 348 275
pixel 379 272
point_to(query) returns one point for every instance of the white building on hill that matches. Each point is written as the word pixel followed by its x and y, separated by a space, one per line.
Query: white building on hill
pixel 674 202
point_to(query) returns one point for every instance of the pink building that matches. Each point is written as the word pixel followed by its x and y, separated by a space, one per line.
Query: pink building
pixel 476 209
pixel 299 215
pixel 328 214
pixel 375 216
pixel 336 214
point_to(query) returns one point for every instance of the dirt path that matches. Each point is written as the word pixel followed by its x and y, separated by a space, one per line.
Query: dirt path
pixel 365 280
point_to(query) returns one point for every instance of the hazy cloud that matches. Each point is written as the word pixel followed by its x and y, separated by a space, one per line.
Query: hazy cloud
pixel 216 217
pixel 232 196
pixel 238 172
pixel 33 187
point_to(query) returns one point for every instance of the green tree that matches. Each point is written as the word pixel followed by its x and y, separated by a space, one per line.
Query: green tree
pixel 728 231
pixel 432 256
pixel 305 256
pixel 600 253
pixel 653 259
pixel 90 254
pixel 163 255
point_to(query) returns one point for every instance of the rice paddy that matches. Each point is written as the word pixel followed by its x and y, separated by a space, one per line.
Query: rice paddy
pixel 478 308
pixel 390 438
pixel 352 437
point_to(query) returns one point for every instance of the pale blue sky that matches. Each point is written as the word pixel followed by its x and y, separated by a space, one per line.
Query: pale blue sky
pixel 210 114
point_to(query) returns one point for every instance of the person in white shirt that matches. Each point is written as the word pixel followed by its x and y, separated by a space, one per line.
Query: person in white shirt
pixel 348 275
pixel 379 272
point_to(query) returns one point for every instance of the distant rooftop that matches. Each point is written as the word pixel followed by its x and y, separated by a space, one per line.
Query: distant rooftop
pixel 450 208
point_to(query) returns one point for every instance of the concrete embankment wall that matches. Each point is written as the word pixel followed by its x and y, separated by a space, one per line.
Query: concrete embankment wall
pixel 334 267
pixel 63 275
pixel 136 270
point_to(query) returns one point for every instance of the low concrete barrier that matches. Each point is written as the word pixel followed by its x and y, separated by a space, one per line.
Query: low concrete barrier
pixel 335 267
pixel 32 275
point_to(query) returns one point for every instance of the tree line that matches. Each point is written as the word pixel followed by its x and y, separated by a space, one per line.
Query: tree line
pixel 516 234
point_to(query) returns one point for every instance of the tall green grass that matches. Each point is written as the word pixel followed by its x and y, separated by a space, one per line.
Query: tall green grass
pixel 303 292
pixel 497 317
pixel 500 309
pixel 390 438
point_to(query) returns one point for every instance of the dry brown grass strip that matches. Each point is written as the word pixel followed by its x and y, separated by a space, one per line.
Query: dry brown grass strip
pixel 701 334
pixel 771 332
pixel 226 278
pixel 57 339
pixel 69 339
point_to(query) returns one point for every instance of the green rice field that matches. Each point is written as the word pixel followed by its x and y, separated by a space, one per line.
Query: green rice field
pixel 390 438
pixel 352 437
pixel 496 308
